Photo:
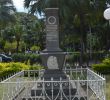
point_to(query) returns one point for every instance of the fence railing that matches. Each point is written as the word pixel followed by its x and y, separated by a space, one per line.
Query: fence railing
pixel 82 84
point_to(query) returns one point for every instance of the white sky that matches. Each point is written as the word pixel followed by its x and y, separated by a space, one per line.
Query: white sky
pixel 19 5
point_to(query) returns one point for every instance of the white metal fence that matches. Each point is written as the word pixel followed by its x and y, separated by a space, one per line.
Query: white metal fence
pixel 82 84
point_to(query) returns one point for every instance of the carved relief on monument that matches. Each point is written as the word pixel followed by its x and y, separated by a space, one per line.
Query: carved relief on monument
pixel 51 20
pixel 52 62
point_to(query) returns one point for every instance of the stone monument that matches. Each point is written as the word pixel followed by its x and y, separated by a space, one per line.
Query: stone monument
pixel 52 57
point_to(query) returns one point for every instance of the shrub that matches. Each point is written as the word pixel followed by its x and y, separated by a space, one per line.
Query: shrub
pixel 106 61
pixel 98 56
pixel 10 47
pixel 22 46
pixel 8 68
pixel 34 58
pixel 103 67
pixel 36 67
pixel 35 48
pixel 20 57
pixel 74 57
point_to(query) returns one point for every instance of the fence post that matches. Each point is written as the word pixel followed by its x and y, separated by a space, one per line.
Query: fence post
pixel 52 86
pixel 87 90
pixel 78 88
pixel 70 89
pixel 61 90
pixel 43 89
pixel 70 72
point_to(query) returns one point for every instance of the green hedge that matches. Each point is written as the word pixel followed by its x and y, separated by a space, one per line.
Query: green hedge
pixel 103 67
pixel 71 58
pixel 75 57
pixel 8 68
pixel 20 57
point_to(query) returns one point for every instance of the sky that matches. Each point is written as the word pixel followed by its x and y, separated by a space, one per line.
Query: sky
pixel 19 5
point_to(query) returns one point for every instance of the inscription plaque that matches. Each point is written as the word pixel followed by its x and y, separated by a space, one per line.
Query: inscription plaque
pixel 52 36
pixel 51 20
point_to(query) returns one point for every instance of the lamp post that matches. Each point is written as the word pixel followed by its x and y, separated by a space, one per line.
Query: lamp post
pixel 107 14
pixel 107 17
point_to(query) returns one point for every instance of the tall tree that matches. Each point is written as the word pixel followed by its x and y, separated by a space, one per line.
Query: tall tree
pixel 18 30
pixel 76 16
pixel 6 12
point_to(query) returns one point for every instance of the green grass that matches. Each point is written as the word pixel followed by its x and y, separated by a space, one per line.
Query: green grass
pixel 108 87
pixel 4 88
pixel 1 92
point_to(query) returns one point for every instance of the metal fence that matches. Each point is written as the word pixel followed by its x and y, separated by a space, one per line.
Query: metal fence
pixel 82 84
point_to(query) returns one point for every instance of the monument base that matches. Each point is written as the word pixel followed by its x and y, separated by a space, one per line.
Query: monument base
pixel 54 83
pixel 54 74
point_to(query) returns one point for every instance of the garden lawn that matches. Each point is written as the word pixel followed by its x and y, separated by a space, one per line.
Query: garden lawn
pixel 108 87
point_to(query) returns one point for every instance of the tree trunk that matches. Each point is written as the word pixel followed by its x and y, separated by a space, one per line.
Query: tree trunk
pixel 17 46
pixel 82 30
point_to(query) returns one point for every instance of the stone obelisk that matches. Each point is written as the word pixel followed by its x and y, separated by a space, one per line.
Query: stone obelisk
pixel 52 57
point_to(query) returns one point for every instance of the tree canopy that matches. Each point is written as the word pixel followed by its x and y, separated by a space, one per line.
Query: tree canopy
pixel 6 11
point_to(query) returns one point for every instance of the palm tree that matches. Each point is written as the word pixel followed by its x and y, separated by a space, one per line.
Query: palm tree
pixel 38 6
pixel 18 30
pixel 6 12
pixel 81 13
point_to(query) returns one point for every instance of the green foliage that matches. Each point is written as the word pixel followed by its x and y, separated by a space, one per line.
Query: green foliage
pixel 103 67
pixel 92 41
pixel 98 55
pixel 34 58
pixel 8 34
pixel 74 57
pixel 36 67
pixel 20 57
pixel 77 18
pixel 1 50
pixel 10 46
pixel 35 48
pixel 2 43
pixel 6 10
pixel 8 68
pixel 22 47
pixel 106 61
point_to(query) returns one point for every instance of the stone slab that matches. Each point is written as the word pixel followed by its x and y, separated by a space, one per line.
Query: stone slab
pixel 55 74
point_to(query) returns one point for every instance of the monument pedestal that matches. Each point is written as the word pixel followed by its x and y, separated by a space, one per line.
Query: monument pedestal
pixel 54 74
pixel 53 60
pixel 55 84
